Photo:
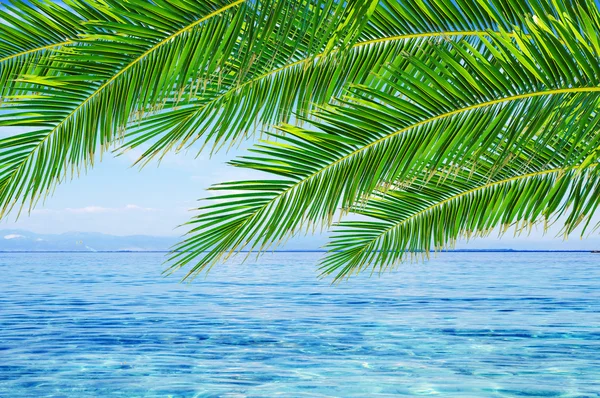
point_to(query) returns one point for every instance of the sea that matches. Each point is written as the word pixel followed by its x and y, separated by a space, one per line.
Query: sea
pixel 459 325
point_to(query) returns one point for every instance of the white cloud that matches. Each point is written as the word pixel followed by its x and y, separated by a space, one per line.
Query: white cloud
pixel 88 209
pixel 13 236
pixel 140 208
pixel 100 209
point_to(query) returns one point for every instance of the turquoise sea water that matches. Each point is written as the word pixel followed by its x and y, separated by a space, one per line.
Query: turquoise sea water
pixel 462 325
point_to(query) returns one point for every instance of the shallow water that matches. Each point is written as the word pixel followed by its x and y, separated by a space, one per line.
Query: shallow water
pixel 462 325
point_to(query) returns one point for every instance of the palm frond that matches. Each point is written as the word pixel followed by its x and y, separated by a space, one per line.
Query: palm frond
pixel 433 212
pixel 151 53
pixel 453 104
pixel 31 32
pixel 295 85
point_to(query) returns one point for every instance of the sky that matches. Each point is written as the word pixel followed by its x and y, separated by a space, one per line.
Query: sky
pixel 118 199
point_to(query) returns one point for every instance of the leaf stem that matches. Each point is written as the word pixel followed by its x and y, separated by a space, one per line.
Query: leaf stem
pixel 48 47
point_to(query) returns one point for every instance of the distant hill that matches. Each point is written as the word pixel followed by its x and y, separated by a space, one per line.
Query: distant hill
pixel 18 240
pixel 15 240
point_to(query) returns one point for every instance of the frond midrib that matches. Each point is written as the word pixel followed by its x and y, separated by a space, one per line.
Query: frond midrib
pixel 37 49
pixel 358 45
pixel 457 112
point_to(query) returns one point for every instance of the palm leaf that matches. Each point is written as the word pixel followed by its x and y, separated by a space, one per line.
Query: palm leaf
pixel 453 104
pixel 298 83
pixel 32 31
pixel 151 53
pixel 435 210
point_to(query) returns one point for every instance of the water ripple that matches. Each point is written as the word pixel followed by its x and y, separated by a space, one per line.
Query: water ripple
pixel 462 325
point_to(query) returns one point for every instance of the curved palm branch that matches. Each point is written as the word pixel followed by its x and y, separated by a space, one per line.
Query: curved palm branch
pixel 301 82
pixel 152 53
pixel 434 211
pixel 453 104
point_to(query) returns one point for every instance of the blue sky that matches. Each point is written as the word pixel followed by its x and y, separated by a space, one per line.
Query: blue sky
pixel 115 198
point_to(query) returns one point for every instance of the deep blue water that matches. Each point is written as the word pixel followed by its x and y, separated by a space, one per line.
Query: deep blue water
pixel 462 325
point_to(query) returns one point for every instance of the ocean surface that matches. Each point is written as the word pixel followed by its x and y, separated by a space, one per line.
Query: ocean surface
pixel 461 325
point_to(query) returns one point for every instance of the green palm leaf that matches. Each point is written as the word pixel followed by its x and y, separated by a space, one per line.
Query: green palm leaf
pixel 454 103
pixel 434 211
pixel 296 84
pixel 32 31
pixel 123 69
pixel 66 104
